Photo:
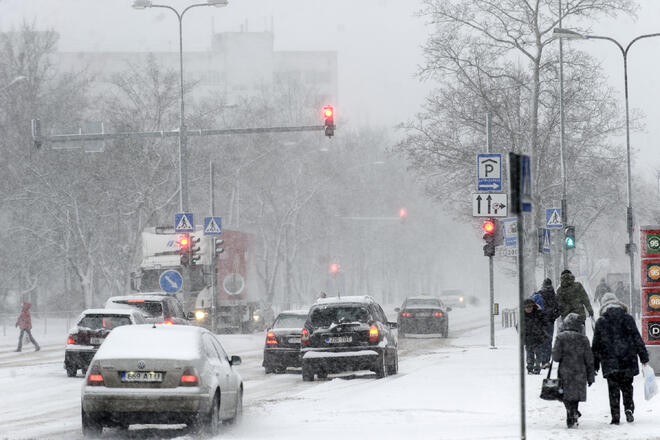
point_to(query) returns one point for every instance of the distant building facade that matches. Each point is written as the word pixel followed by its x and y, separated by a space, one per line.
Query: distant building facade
pixel 238 64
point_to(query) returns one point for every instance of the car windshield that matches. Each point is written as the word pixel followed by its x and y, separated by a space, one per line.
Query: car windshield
pixel 97 322
pixel 289 321
pixel 423 302
pixel 326 316
pixel 151 309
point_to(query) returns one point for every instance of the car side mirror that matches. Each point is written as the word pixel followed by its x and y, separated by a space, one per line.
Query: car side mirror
pixel 397 310
pixel 190 316
pixel 235 361
pixel 393 325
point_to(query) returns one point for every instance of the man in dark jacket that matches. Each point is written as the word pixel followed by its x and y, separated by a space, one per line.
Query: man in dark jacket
pixel 616 346
pixel 601 289
pixel 551 311
pixel 572 298
pixel 535 335
pixel 576 365
pixel 24 322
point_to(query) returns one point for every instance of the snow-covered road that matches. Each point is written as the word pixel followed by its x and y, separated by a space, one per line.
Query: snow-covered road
pixel 456 388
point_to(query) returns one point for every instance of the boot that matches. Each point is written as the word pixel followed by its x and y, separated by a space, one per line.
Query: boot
pixel 629 416
pixel 615 419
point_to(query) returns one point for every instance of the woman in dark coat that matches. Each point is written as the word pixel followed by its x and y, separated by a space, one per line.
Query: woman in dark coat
pixel 576 365
pixel 616 346
pixel 535 335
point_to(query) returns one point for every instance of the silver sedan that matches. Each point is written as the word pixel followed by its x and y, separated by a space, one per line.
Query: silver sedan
pixel 160 374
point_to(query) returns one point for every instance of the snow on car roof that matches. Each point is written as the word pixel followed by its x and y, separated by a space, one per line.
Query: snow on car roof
pixel 294 312
pixel 152 341
pixel 141 295
pixel 415 298
pixel 108 312
pixel 364 299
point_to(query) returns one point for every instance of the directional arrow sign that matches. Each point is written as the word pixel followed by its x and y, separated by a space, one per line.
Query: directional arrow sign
pixel 171 281
pixel 489 205
pixel 489 172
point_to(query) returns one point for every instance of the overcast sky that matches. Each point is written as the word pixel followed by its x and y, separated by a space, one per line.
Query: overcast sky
pixel 378 42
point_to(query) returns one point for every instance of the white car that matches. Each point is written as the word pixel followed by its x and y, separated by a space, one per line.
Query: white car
pixel 161 374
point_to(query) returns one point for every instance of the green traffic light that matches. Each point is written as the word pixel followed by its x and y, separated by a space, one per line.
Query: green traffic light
pixel 570 243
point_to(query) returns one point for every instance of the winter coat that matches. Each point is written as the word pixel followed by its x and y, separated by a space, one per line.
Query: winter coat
pixel 24 322
pixel 576 362
pixel 550 303
pixel 617 342
pixel 535 324
pixel 572 297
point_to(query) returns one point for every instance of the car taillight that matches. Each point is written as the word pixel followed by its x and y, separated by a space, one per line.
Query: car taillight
pixel 71 340
pixel 304 337
pixel 94 377
pixel 271 339
pixel 189 377
pixel 406 314
pixel 135 301
pixel 166 322
pixel 374 333
pixel 438 314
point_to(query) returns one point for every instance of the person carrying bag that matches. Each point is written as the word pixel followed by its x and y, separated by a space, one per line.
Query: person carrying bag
pixel 551 389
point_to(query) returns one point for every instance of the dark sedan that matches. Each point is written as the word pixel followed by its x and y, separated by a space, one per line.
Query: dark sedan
pixel 423 315
pixel 282 347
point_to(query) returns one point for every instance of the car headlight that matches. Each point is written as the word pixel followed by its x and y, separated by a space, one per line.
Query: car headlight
pixel 200 314
pixel 460 299
pixel 256 318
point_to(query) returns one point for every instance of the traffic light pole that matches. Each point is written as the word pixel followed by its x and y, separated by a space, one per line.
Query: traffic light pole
pixel 491 283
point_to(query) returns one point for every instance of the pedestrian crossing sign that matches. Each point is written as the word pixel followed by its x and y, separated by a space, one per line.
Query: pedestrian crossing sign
pixel 212 225
pixel 183 222
pixel 553 218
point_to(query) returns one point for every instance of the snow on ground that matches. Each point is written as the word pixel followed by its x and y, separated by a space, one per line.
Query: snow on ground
pixel 457 388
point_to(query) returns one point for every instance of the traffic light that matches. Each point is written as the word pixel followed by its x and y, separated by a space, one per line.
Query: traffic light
pixel 195 253
pixel 217 247
pixel 569 237
pixel 489 228
pixel 334 268
pixel 329 117
pixel 403 214
pixel 184 249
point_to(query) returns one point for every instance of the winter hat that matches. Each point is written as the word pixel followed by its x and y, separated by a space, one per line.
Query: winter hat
pixel 565 271
pixel 610 300
pixel 547 282
pixel 528 302
pixel 572 322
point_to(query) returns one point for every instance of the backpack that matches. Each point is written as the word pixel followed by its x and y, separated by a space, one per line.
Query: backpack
pixel 538 299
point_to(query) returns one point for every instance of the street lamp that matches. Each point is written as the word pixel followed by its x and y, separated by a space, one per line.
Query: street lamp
pixel 183 154
pixel 572 35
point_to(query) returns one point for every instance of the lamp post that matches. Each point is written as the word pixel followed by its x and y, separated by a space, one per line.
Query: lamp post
pixel 572 35
pixel 183 154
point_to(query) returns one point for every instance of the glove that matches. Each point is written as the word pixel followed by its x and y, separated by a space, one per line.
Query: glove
pixel 591 383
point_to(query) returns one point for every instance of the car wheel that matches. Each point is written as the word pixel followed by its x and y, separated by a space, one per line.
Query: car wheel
pixel 269 369
pixel 445 333
pixel 90 427
pixel 393 368
pixel 71 370
pixel 239 409
pixel 322 374
pixel 307 373
pixel 280 370
pixel 381 368
pixel 84 371
pixel 209 423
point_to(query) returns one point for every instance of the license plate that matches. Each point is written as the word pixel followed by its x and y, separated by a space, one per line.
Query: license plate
pixel 96 341
pixel 423 314
pixel 294 340
pixel 141 376
pixel 339 339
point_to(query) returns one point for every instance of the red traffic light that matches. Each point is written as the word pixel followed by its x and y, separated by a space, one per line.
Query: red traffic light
pixel 488 227
pixel 403 213
pixel 328 111
pixel 334 268
pixel 183 241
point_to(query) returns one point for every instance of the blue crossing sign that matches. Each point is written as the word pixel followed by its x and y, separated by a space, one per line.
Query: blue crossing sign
pixel 183 222
pixel 212 225
pixel 489 172
pixel 546 241
pixel 553 218
pixel 171 281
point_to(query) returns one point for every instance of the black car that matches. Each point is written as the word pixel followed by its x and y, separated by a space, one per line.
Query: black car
pixel 348 334
pixel 91 329
pixel 157 308
pixel 282 347
pixel 423 315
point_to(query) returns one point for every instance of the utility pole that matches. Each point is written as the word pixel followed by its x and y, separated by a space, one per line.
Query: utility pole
pixel 491 284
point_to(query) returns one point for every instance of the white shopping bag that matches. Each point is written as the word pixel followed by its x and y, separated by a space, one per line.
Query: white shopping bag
pixel 650 386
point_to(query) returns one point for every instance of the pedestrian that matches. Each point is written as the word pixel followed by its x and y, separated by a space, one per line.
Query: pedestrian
pixel 535 335
pixel 572 298
pixel 601 289
pixel 576 365
pixel 620 292
pixel 24 322
pixel 551 311
pixel 616 346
